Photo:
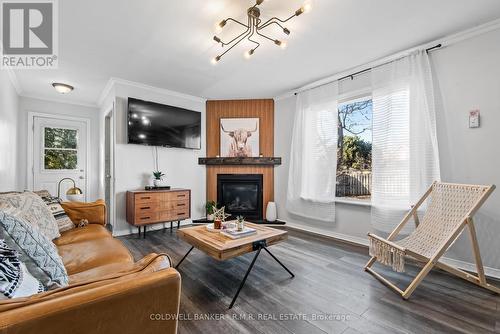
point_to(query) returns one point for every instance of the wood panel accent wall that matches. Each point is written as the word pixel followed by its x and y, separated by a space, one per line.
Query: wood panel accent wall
pixel 262 109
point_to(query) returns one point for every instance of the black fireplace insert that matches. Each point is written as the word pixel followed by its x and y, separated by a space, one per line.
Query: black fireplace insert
pixel 241 194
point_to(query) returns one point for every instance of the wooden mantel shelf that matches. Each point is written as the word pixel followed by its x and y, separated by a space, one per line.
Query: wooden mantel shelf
pixel 259 161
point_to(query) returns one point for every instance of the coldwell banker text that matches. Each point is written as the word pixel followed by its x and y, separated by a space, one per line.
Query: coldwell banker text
pixel 29 34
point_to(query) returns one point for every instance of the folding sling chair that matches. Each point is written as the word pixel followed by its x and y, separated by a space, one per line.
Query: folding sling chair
pixel 449 212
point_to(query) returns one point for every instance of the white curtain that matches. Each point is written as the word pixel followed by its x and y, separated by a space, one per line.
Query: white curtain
pixel 313 156
pixel 405 150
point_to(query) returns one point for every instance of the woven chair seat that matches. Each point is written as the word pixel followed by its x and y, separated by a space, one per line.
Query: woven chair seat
pixel 448 206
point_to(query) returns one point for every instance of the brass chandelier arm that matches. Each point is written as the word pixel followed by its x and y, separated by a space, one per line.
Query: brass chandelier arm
pixel 269 38
pixel 236 21
pixel 248 33
pixel 270 23
pixel 228 43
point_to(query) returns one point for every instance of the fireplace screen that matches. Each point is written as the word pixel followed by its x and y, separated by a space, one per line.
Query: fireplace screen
pixel 241 194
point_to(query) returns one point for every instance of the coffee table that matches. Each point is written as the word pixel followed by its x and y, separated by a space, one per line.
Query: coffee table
pixel 222 248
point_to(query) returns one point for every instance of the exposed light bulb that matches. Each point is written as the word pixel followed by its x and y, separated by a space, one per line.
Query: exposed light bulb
pixel 142 136
pixel 283 45
pixel 135 116
pixel 307 7
pixel 249 53
pixel 216 60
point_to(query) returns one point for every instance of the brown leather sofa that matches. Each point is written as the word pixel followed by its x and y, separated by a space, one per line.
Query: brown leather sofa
pixel 108 291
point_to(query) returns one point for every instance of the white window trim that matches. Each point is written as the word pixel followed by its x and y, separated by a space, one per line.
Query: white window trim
pixel 354 96
pixel 347 200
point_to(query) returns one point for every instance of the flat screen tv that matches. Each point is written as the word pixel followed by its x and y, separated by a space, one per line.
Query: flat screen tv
pixel 157 124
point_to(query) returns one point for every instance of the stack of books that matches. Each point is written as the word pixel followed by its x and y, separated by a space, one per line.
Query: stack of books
pixel 235 234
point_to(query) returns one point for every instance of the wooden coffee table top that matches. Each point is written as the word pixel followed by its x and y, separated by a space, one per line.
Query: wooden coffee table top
pixel 221 247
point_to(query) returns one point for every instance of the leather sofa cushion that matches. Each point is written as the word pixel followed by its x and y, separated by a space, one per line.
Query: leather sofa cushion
pixel 81 256
pixel 94 213
pixel 89 232
pixel 150 263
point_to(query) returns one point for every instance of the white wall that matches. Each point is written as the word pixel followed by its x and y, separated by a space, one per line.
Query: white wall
pixel 468 77
pixel 134 164
pixel 8 134
pixel 27 105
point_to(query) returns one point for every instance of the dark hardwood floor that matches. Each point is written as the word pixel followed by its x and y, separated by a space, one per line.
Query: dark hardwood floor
pixel 329 294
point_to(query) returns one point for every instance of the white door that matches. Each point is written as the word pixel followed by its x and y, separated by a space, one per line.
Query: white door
pixel 59 151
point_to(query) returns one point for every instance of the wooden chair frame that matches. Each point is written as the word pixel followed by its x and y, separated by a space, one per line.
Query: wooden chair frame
pixel 432 262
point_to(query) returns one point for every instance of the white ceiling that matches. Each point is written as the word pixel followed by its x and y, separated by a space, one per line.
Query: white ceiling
pixel 168 44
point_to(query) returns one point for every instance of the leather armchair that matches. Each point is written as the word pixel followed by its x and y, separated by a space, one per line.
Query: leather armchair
pixel 108 291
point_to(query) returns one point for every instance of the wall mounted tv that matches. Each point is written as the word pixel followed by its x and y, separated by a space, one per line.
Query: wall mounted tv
pixel 156 124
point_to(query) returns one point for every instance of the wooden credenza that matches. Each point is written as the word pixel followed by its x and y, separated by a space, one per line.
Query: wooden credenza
pixel 158 206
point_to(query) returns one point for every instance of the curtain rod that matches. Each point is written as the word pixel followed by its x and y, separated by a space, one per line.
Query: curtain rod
pixel 368 69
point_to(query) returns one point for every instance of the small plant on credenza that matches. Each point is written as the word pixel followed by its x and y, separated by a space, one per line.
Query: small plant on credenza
pixel 210 207
pixel 158 178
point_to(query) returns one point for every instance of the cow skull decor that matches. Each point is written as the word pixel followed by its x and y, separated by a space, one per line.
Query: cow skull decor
pixel 255 27
pixel 239 137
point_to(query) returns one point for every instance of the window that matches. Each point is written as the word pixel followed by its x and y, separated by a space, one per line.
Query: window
pixel 354 151
pixel 60 148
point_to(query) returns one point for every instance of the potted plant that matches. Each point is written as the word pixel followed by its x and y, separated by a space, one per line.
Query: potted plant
pixel 210 207
pixel 158 178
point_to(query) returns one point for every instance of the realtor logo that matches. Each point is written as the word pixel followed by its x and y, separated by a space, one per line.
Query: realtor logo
pixel 29 34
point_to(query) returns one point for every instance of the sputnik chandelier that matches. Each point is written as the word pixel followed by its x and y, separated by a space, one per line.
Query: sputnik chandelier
pixel 255 27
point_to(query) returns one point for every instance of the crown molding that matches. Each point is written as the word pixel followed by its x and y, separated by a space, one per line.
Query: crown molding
pixel 444 41
pixel 50 99
pixel 14 81
pixel 105 92
pixel 113 82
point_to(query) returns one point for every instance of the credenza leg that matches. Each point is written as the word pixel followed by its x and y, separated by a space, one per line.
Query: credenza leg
pixel 171 226
pixel 178 224
pixel 139 232
pixel 144 231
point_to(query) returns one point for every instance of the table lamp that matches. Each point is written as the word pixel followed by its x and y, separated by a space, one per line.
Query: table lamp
pixel 73 194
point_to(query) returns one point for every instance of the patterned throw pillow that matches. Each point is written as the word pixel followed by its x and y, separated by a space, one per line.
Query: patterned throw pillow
pixel 32 209
pixel 15 279
pixel 54 205
pixel 35 249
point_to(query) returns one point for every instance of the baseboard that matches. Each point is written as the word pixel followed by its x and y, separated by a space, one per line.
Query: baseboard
pixel 333 235
pixel 471 267
pixel 133 230
pixel 467 266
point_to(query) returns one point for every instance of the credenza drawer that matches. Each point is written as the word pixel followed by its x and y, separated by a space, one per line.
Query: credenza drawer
pixel 147 198
pixel 147 218
pixel 174 205
pixel 174 215
pixel 175 196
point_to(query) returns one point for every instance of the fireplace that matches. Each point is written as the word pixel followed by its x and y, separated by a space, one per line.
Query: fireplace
pixel 241 194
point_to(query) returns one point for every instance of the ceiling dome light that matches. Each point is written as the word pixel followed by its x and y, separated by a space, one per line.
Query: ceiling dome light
pixel 62 88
